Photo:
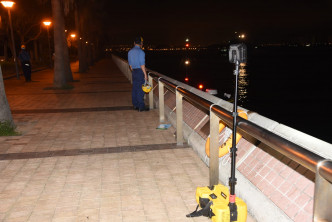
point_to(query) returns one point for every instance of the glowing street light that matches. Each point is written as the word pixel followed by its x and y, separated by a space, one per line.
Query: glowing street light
pixel 48 23
pixel 73 35
pixel 9 5
pixel 187 62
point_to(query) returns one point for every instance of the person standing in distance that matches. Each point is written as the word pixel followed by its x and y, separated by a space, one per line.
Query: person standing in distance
pixel 24 58
pixel 136 60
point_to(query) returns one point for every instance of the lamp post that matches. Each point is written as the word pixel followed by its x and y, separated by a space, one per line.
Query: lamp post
pixel 72 39
pixel 9 5
pixel 47 23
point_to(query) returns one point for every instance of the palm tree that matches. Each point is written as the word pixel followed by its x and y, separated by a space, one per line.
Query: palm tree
pixel 79 24
pixel 5 113
pixel 62 71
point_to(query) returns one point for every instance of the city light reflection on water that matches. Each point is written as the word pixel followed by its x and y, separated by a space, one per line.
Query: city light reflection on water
pixel 243 84
pixel 291 91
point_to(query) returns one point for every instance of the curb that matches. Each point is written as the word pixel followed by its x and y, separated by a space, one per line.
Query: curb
pixel 13 75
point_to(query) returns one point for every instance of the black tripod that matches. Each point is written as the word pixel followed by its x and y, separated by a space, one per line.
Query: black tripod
pixel 237 55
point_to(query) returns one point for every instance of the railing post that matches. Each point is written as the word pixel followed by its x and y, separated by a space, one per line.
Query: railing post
pixel 323 195
pixel 161 102
pixel 151 93
pixel 214 149
pixel 179 119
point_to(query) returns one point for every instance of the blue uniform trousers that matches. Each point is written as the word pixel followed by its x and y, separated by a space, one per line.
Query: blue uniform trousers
pixel 26 67
pixel 137 92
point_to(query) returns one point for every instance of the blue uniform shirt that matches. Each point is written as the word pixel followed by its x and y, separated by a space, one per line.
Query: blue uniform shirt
pixel 136 57
pixel 24 56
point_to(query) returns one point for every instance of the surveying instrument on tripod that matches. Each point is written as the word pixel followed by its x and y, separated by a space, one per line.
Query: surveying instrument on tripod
pixel 218 202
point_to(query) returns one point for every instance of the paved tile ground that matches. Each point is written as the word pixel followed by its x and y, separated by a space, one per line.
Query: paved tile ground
pixel 85 155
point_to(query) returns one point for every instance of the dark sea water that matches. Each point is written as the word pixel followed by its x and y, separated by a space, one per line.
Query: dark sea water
pixel 290 85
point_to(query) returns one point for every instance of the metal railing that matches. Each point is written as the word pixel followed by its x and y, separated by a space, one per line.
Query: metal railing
pixel 306 158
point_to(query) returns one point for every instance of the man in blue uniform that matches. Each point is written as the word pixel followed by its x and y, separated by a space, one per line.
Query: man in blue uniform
pixel 25 63
pixel 136 60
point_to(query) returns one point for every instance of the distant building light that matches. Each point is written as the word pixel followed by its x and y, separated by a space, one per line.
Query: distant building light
pixel 186 79
pixel 187 62
pixel 200 86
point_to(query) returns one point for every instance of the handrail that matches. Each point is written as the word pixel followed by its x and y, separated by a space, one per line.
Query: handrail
pixel 291 150
pixel 161 79
pixel 325 170
pixel 212 106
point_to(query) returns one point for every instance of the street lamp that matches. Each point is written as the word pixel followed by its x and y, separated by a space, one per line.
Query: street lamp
pixel 72 41
pixel 48 23
pixel 9 5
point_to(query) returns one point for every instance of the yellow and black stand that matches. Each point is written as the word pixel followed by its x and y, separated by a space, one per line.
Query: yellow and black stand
pixel 217 202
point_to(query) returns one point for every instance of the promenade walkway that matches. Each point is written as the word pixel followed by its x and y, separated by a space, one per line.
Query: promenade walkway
pixel 86 155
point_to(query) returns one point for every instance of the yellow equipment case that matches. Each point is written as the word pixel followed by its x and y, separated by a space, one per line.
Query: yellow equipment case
pixel 214 203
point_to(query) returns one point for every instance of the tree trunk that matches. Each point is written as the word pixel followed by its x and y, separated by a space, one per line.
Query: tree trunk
pixel 69 75
pixel 82 62
pixel 5 113
pixel 90 54
pixel 35 47
pixel 10 46
pixel 85 54
pixel 5 50
pixel 61 57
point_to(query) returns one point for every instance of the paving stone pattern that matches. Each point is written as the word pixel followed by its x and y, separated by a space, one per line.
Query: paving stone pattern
pixel 85 155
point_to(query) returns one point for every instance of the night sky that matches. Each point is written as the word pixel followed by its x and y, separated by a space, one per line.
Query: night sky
pixel 213 22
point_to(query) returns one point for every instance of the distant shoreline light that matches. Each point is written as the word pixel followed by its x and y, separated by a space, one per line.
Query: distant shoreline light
pixel 220 48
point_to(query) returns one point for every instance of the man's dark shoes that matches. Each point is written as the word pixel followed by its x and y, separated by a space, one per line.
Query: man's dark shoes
pixel 144 109
pixel 135 108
